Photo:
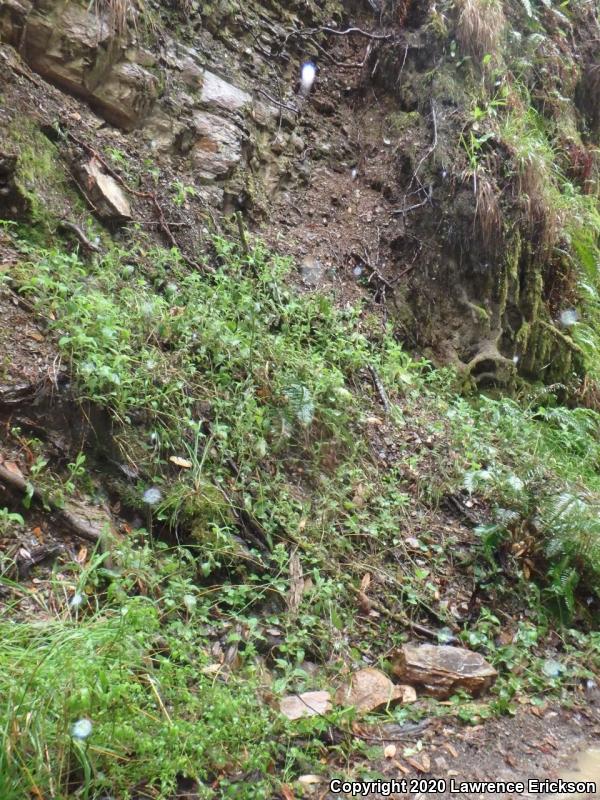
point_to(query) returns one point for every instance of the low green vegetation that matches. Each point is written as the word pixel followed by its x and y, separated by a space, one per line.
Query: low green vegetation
pixel 266 399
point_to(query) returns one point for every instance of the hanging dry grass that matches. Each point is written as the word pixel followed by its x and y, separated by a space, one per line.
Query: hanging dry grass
pixel 480 27
pixel 543 217
pixel 119 13
pixel 488 216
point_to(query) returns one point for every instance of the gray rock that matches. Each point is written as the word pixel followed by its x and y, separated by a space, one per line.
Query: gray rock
pixel 78 51
pixel 312 271
pixel 126 95
pixel 13 14
pixel 218 94
pixel 162 129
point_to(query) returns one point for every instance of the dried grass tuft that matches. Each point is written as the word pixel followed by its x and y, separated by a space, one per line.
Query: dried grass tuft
pixel 480 26
pixel 488 216
pixel 119 13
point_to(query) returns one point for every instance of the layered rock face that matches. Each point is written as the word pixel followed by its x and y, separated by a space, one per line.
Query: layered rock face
pixel 461 194
pixel 175 103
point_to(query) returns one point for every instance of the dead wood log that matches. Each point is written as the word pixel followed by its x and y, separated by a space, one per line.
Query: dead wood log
pixel 75 524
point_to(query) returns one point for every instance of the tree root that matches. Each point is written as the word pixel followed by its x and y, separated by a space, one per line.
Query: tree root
pixel 76 525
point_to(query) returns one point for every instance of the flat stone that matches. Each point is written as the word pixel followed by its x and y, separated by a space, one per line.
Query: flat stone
pixel 104 191
pixel 308 704
pixel 441 670
pixel 216 93
pixel 369 689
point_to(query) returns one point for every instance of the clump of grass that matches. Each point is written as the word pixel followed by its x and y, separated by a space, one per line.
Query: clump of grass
pixel 120 13
pixel 536 177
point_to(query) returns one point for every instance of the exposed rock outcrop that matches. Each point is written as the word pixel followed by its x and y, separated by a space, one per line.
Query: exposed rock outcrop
pixel 180 107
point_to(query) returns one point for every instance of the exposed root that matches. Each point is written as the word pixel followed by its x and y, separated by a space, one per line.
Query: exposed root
pixel 76 524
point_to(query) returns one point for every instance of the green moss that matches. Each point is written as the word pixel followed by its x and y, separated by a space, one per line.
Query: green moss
pixel 400 122
pixel 479 311
pixel 532 284
pixel 41 175
pixel 522 337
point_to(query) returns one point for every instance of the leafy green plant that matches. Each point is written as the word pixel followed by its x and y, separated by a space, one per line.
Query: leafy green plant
pixel 181 192
pixel 8 518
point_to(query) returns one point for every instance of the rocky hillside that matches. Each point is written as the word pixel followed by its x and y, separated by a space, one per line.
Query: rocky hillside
pixel 294 383
pixel 447 157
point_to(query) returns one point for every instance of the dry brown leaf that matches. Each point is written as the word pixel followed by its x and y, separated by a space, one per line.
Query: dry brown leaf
pixel 286 792
pixel 184 463
pixel 389 751
pixel 367 690
pixel 426 762
pixel 12 467
pixel 365 582
pixel 364 603
pixel 308 704
pixel 452 750
pixel 400 766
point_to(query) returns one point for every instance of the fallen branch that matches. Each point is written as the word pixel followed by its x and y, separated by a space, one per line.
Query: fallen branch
pixel 277 102
pixel 404 272
pixel 433 144
pixel 80 235
pixel 380 388
pixel 77 526
pixel 412 208
pixel 418 167
pixel 360 32
pixel 347 32
pixel 416 627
